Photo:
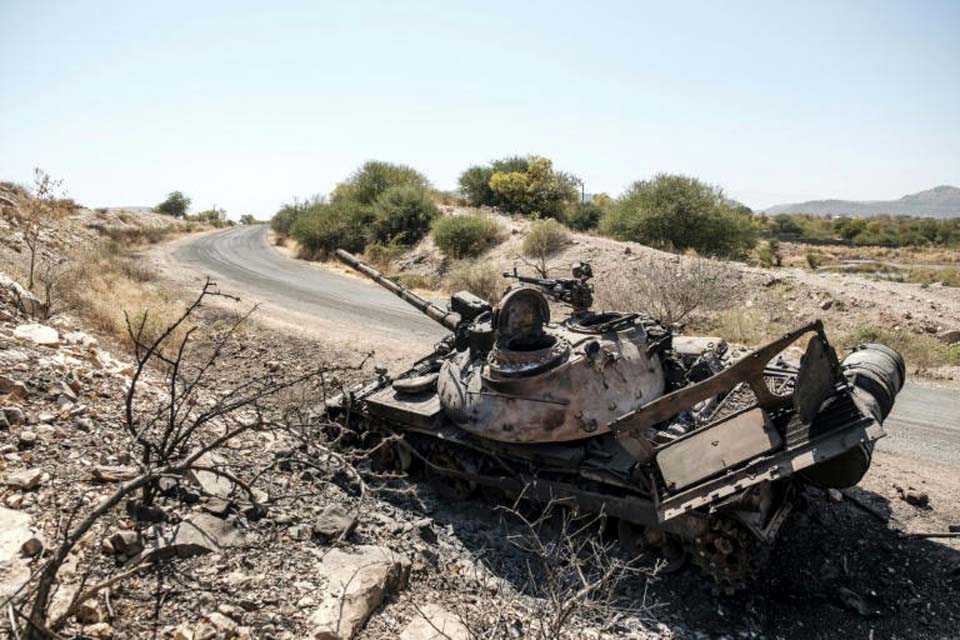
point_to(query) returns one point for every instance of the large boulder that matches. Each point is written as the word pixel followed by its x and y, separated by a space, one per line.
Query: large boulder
pixel 38 334
pixel 356 583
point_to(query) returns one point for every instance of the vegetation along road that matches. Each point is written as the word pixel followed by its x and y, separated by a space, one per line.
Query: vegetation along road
pixel 925 423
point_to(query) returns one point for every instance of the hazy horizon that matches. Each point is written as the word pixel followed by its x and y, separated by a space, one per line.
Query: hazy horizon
pixel 246 107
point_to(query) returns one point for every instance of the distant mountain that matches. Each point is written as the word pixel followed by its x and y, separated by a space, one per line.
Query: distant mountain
pixel 939 202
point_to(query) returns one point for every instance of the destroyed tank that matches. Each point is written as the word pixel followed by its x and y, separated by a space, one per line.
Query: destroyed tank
pixel 697 450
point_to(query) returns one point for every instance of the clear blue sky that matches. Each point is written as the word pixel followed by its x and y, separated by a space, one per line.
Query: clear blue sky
pixel 246 105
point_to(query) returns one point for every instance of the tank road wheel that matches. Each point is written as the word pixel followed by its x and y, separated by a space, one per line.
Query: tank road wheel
pixel 448 485
pixel 637 540
pixel 727 553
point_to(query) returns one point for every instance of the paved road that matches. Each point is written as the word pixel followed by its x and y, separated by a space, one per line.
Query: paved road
pixel 241 259
pixel 925 422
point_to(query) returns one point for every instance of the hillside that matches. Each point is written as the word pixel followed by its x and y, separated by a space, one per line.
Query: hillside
pixel 939 202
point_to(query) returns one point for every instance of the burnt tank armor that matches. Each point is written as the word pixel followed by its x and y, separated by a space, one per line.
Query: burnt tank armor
pixel 678 437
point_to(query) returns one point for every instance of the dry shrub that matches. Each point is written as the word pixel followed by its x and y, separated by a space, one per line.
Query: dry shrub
pixel 479 278
pixel 416 280
pixel 382 255
pixel 669 290
pixel 545 239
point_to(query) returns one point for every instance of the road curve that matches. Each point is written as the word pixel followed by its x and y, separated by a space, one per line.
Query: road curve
pixel 925 423
pixel 242 259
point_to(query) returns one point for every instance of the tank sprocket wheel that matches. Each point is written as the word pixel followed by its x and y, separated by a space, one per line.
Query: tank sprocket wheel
pixel 728 553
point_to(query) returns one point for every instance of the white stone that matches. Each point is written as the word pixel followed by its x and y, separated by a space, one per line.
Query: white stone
pixel 14 532
pixel 357 582
pixel 433 622
pixel 37 333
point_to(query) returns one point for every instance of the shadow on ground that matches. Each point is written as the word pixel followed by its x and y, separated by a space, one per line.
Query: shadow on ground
pixel 838 571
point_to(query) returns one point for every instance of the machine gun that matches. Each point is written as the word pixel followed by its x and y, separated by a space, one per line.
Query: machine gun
pixel 576 291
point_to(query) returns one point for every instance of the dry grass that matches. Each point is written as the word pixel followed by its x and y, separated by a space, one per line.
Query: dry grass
pixel 104 284
pixel 479 278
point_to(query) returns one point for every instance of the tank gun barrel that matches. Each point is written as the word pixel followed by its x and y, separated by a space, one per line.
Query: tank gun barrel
pixel 448 319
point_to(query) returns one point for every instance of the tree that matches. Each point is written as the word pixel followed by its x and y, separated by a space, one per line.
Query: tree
pixel 678 212
pixel 214 217
pixel 247 219
pixel 538 192
pixel 370 181
pixel 175 205
pixel 475 181
pixel 402 215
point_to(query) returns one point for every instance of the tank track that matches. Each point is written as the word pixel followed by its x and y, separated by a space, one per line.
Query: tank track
pixel 728 554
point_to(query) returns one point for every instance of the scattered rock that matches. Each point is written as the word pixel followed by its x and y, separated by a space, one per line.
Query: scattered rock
pixel 950 336
pixel 27 439
pixel 90 612
pixel 200 533
pixel 109 473
pixel 334 521
pixel 916 498
pixel 222 623
pixel 13 415
pixel 424 529
pixel 14 570
pixel 26 479
pixel 38 334
pixel 826 304
pixel 12 388
pixel 212 483
pixel 124 543
pixel 433 622
pixel 864 605
pixel 356 585
pixel 98 631
pixel 835 495
pixel 32 547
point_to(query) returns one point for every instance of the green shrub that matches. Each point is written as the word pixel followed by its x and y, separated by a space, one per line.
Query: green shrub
pixel 175 205
pixel 283 220
pixel 475 182
pixel 679 213
pixel 402 214
pixel 325 228
pixel 545 238
pixel 768 254
pixel 465 236
pixel 814 260
pixel 538 192
pixel 371 180
pixel 479 278
pixel 584 216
